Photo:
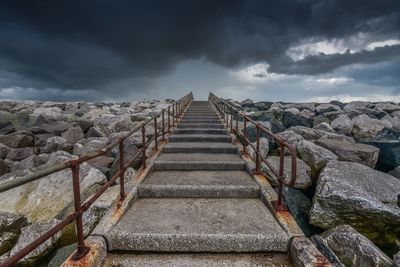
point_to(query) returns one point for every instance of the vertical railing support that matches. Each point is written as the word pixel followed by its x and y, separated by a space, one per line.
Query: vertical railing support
pixel 257 170
pixel 173 115
pixel 81 249
pixel 281 170
pixel 237 126
pixel 122 169
pixel 144 144
pixel 169 119
pixel 244 135
pixel 155 135
pixel 163 126
pixel 231 112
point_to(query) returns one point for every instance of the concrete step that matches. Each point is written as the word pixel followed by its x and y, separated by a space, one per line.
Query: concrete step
pixel 199 161
pixel 200 125
pixel 197 225
pixel 199 184
pixel 192 120
pixel 189 147
pixel 197 260
pixel 202 117
pixel 200 131
pixel 200 138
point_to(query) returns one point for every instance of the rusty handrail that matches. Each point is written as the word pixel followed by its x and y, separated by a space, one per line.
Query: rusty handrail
pixel 178 108
pixel 227 112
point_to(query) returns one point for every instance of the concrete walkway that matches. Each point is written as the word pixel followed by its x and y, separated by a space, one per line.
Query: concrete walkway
pixel 199 198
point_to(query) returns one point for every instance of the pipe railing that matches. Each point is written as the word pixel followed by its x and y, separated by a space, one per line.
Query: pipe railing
pixel 177 107
pixel 230 114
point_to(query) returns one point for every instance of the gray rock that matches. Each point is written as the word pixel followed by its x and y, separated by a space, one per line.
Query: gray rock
pixel 4 167
pixel 29 234
pixel 290 119
pixel 304 253
pixel 41 139
pixel 396 259
pixel 56 143
pixel 61 255
pixel 323 126
pixel 6 127
pixel 89 145
pixel 314 156
pixel 263 146
pixel 73 135
pixel 354 194
pixel 322 246
pixel 97 131
pixel 27 163
pixel 395 172
pixel 17 139
pixel 252 132
pixel 85 124
pixel 387 107
pixel 365 127
pixel 323 108
pixel 353 249
pixel 303 179
pixel 29 199
pixel 291 137
pixel 360 153
pixel 4 150
pixel 10 228
pixel 356 104
pixel 20 153
pixel 342 124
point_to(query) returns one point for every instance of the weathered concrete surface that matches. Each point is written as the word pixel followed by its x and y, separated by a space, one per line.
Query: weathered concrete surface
pixel 210 184
pixel 95 257
pixel 198 225
pixel 200 138
pixel 200 130
pixel 199 161
pixel 199 260
pixel 189 147
pixel 199 125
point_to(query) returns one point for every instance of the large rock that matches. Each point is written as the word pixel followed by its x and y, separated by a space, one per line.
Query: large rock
pixel 29 234
pixel 365 127
pixel 263 147
pixel 291 119
pixel 17 139
pixel 47 197
pixel 303 179
pixel 10 228
pixel 360 153
pixel 20 153
pixel 342 124
pixel 354 194
pixel 314 156
pixel 323 108
pixel 56 143
pixel 314 134
pixel 4 167
pixel 354 249
pixel 73 135
pixel 251 131
pixel 89 145
pixel 4 150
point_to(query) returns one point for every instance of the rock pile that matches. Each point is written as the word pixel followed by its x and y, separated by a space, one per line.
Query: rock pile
pixel 349 169
pixel 35 135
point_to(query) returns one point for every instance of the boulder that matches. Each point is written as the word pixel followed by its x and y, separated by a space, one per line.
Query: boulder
pixel 4 167
pixel 97 131
pixel 17 139
pixel 10 228
pixel 6 127
pixel 360 153
pixel 27 163
pixel 20 153
pixel 314 156
pixel 337 103
pixel 73 135
pixel 89 145
pixel 365 127
pixel 387 107
pixel 290 119
pixel 321 245
pixel 323 108
pixel 4 150
pixel 251 130
pixel 395 172
pixel 47 197
pixel 29 234
pixel 354 249
pixel 388 142
pixel 263 146
pixel 303 179
pixel 41 139
pixel 354 194
pixel 342 124
pixel 324 126
pixel 56 143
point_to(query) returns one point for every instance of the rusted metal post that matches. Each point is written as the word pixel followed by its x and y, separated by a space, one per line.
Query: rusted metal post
pixel 244 134
pixel 81 249
pixel 155 135
pixel 163 125
pixel 281 170
pixel 237 126
pixel 258 149
pixel 121 168
pixel 169 119
pixel 173 114
pixel 144 145
pixel 231 112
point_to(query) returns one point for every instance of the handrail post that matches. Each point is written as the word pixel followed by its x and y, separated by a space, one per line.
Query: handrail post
pixel 169 119
pixel 163 125
pixel 281 170
pixel 144 144
pixel 231 112
pixel 244 135
pixel 81 249
pixel 155 134
pixel 121 168
pixel 173 114
pixel 257 170
pixel 237 126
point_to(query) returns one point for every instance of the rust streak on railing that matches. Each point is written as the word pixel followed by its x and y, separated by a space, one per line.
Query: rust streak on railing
pixel 225 109
pixel 177 111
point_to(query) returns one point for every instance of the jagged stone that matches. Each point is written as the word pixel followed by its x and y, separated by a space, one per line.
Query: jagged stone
pixel 324 126
pixel 353 249
pixel 323 108
pixel 20 153
pixel 354 194
pixel 342 124
pixel 17 139
pixel 10 228
pixel 365 127
pixel 73 135
pixel 56 143
pixel 4 150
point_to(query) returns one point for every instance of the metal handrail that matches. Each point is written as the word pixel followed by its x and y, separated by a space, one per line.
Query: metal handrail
pixel 228 112
pixel 178 108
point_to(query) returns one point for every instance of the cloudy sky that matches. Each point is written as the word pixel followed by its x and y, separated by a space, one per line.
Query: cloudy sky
pixel 290 50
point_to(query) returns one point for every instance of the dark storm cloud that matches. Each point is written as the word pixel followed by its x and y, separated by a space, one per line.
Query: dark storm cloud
pixel 97 44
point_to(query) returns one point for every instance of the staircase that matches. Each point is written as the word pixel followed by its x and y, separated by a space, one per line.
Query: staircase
pixel 198 206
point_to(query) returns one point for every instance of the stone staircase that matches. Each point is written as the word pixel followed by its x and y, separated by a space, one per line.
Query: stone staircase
pixel 198 206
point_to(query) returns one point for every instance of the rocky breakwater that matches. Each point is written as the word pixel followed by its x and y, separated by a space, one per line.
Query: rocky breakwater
pixel 36 135
pixel 349 170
